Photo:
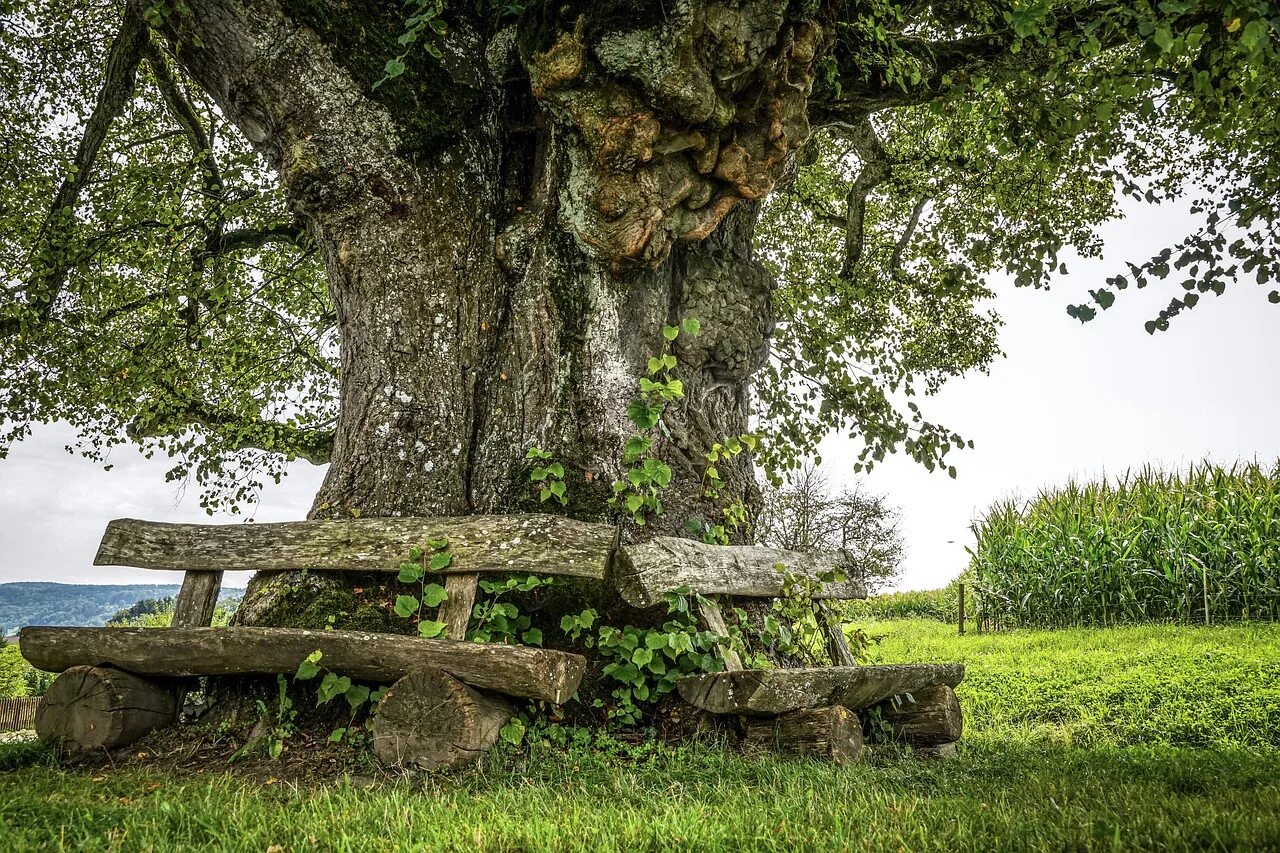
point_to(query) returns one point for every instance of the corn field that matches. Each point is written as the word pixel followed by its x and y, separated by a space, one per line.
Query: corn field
pixel 1201 546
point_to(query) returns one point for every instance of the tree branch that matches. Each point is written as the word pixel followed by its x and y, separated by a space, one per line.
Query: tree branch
pixel 49 263
pixel 876 168
pixel 235 431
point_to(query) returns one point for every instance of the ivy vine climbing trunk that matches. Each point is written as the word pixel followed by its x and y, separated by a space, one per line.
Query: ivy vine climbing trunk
pixel 508 225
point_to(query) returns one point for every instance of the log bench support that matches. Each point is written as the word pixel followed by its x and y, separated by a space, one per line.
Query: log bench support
pixel 90 708
pixel 431 720
pixel 833 733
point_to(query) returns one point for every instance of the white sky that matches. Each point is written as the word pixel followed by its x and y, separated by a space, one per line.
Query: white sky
pixel 1069 400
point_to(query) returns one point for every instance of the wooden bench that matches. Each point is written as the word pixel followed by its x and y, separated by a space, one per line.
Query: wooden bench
pixel 447 699
pixel 446 704
pixel 811 709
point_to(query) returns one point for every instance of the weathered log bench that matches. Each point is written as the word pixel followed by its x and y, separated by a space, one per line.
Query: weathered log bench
pixel 447 699
pixel 118 684
pixel 811 710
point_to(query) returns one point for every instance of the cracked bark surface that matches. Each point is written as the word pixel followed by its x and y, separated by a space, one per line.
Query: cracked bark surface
pixel 502 284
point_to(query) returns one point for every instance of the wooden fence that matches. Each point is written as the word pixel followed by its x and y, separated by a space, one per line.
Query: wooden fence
pixel 18 712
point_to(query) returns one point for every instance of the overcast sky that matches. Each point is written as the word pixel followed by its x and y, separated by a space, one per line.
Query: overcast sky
pixel 1069 400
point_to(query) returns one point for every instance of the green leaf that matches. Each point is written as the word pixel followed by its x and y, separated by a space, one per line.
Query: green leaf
pixel 670 332
pixel 430 628
pixel 433 595
pixel 309 668
pixel 512 732
pixel 440 561
pixel 642 656
pixel 406 605
pixel 337 734
pixel 356 695
pixel 394 67
pixel 410 573
pixel 532 637
pixel 691 326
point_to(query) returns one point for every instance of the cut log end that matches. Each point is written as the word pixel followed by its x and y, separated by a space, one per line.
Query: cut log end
pixel 833 733
pixel 933 719
pixel 93 707
pixel 431 720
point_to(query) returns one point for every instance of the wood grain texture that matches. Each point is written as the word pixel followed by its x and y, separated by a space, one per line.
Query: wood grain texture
pixel 765 692
pixel 431 720
pixel 643 572
pixel 838 644
pixel 833 733
pixel 934 717
pixel 546 544
pixel 91 707
pixel 714 620
pixel 197 600
pixel 455 612
pixel 514 670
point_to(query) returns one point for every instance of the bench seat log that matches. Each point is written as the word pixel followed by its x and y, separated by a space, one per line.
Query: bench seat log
pixel 523 671
pixel 766 692
pixel 643 572
pixel 546 544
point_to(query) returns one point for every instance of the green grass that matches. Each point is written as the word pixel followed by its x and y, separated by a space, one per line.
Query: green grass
pixel 1150 684
pixel 1076 740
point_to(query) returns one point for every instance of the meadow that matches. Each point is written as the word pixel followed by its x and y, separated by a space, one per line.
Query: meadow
pixel 1150 737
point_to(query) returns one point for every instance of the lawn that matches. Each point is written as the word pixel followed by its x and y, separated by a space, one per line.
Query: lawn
pixel 1136 738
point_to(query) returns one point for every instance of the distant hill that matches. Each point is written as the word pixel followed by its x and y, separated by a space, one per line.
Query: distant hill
pixel 38 603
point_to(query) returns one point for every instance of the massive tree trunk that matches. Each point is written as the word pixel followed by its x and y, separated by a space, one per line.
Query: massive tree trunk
pixel 507 228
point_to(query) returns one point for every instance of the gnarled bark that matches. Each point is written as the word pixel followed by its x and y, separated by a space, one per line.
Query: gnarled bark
pixel 507 229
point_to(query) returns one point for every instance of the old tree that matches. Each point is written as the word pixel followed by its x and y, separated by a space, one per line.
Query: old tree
pixel 415 241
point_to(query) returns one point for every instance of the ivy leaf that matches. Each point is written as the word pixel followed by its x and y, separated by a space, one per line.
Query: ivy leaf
pixel 309 668
pixel 532 637
pixel 670 332
pixel 433 595
pixel 410 573
pixel 512 732
pixel 691 326
pixel 406 605
pixel 429 628
pixel 440 561
pixel 356 695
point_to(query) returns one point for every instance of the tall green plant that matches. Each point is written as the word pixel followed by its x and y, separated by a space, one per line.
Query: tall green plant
pixel 1200 546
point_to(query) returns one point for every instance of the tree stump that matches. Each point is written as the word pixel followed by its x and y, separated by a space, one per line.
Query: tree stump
pixel 97 707
pixel 431 720
pixel 834 733
pixel 932 720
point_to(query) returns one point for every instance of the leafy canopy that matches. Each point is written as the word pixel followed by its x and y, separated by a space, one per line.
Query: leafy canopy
pixel 156 288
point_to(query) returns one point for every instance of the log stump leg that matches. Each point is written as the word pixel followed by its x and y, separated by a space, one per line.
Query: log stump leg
pixel 431 720
pixel 833 733
pixel 937 752
pixel 98 707
pixel 933 719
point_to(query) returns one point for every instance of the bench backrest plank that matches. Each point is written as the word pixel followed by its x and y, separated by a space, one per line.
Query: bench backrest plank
pixel 643 572
pixel 197 600
pixel 545 544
